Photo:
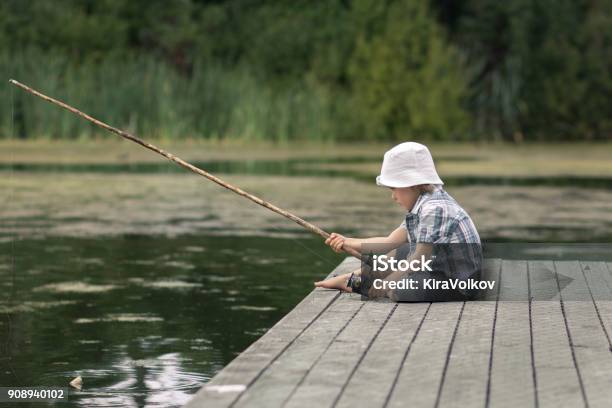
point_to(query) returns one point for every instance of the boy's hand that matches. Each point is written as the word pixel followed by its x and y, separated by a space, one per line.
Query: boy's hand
pixel 335 241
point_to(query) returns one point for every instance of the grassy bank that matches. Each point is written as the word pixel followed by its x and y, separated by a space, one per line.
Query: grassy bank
pixel 578 159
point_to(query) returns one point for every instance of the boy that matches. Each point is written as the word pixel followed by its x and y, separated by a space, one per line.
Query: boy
pixel 434 220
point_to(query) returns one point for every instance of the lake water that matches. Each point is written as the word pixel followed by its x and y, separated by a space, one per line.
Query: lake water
pixel 146 281
pixel 145 320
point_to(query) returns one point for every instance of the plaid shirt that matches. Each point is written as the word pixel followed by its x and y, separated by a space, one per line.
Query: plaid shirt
pixel 437 218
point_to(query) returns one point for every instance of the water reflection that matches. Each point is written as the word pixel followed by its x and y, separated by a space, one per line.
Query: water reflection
pixel 142 333
pixel 152 382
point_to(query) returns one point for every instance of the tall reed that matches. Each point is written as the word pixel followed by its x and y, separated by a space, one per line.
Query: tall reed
pixel 150 98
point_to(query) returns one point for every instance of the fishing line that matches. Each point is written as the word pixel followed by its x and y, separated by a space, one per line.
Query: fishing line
pixel 312 251
pixel 177 160
pixel 12 258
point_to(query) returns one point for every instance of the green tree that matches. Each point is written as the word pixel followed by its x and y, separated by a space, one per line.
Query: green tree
pixel 595 108
pixel 406 82
pixel 540 70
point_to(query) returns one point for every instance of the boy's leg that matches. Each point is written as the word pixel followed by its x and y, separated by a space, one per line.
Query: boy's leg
pixel 340 281
pixel 337 282
pixel 367 277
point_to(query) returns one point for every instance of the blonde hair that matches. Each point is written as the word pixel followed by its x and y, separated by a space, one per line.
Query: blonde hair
pixel 426 188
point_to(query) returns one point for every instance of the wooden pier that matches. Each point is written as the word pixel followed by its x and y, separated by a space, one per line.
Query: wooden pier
pixel 540 339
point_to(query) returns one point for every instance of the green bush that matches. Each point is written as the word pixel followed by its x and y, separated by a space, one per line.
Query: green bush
pixel 407 82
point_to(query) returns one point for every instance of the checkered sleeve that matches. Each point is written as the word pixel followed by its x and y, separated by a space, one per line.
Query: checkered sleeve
pixel 434 225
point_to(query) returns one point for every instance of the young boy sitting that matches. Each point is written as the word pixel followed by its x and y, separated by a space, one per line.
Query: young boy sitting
pixel 434 219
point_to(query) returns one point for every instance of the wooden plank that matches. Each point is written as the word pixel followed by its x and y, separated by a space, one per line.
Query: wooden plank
pixel 349 264
pixel 324 382
pixel 599 282
pixel 590 346
pixel 556 377
pixel 277 383
pixel 420 375
pixel 240 373
pixel 491 269
pixel 466 379
pixel 511 380
pixel 576 289
pixel 468 369
pixel 542 281
pixel 513 282
pixel 371 383
pixel 546 353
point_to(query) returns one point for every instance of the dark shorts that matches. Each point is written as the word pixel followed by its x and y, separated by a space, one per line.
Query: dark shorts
pixel 427 287
pixel 461 261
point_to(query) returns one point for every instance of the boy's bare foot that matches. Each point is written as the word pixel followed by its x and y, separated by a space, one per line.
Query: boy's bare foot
pixel 338 282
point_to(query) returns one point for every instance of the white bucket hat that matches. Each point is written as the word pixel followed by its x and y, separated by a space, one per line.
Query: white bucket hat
pixel 408 164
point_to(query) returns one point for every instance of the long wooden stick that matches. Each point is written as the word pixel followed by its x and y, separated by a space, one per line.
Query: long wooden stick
pixel 311 227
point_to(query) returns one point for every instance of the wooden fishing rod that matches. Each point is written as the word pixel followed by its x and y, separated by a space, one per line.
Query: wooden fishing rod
pixel 310 227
